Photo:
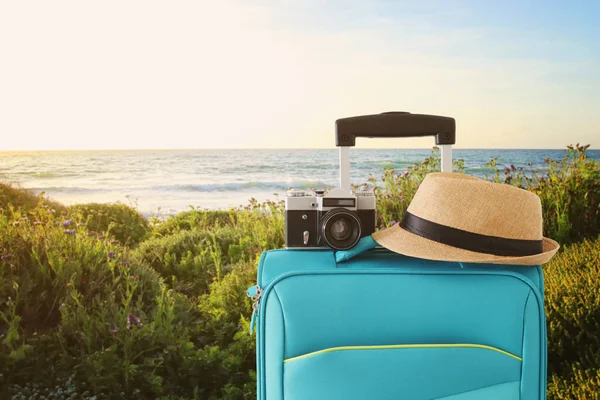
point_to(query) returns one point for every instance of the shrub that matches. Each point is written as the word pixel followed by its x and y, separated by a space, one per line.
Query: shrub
pixel 122 222
pixel 78 308
pixel 23 199
pixel 194 258
pixel 579 384
pixel 569 190
pixel 195 219
pixel 396 191
pixel 573 308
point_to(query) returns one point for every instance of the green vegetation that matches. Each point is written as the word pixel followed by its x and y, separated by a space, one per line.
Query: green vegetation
pixel 98 303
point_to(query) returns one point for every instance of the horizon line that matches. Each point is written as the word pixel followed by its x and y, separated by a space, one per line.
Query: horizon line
pixel 279 149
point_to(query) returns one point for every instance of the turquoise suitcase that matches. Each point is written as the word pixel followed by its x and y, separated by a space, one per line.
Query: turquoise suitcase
pixel 384 326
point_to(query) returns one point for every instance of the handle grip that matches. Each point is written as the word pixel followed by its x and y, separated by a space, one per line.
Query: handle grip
pixel 395 124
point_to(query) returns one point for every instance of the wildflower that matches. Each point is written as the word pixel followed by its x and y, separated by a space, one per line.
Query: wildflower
pixel 52 211
pixel 24 219
pixel 70 231
pixel 405 174
pixel 6 257
pixel 115 330
pixel 393 223
pixel 67 223
pixel 112 255
pixel 37 223
pixel 137 321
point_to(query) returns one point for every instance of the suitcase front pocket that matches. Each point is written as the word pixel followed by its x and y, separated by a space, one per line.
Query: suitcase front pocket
pixel 418 371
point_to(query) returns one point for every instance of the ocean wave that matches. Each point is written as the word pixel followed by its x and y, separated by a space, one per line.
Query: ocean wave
pixel 241 186
pixel 46 174
pixel 65 189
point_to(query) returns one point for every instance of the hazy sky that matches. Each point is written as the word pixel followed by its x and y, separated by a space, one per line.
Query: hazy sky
pixel 277 73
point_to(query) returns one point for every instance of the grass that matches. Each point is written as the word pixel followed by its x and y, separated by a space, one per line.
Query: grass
pixel 98 303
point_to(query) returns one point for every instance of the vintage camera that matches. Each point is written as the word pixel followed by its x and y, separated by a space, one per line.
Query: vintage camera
pixel 336 219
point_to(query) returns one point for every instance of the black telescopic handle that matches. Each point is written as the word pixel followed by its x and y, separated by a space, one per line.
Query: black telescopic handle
pixel 395 124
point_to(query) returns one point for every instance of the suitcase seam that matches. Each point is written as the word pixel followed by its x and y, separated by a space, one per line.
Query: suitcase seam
pixel 523 342
pixel 284 336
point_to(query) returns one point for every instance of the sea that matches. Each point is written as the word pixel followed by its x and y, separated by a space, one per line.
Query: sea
pixel 166 182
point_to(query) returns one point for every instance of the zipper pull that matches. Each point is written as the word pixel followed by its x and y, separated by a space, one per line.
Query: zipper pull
pixel 254 293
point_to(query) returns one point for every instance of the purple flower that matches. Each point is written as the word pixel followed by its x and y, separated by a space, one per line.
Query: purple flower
pixel 115 330
pixel 6 257
pixel 137 321
pixel 69 231
pixel 405 174
pixel 112 255
pixel 393 223
pixel 67 223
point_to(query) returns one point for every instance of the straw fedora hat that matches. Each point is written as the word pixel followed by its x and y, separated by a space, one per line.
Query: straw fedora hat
pixel 458 217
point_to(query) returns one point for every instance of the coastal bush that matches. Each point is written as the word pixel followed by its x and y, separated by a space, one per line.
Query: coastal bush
pixel 573 308
pixel 394 191
pixel 118 220
pixel 190 260
pixel 195 219
pixel 24 199
pixel 569 190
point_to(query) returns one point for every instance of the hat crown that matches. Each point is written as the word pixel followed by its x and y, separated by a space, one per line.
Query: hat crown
pixel 478 206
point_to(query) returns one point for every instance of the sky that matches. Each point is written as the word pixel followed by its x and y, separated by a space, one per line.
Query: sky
pixel 127 74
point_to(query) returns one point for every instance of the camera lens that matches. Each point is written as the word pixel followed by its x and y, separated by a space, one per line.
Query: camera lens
pixel 340 229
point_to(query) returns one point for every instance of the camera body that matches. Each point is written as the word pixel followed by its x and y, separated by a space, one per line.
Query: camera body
pixel 337 219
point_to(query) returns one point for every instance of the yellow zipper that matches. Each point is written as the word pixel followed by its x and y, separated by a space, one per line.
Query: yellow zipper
pixel 404 346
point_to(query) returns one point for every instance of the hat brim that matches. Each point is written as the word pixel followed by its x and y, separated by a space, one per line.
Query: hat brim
pixel 401 241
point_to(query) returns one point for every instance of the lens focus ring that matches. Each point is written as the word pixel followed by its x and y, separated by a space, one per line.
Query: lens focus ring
pixel 341 229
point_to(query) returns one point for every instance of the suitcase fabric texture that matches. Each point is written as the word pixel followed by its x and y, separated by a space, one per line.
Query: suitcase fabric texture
pixel 387 326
